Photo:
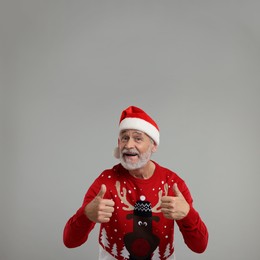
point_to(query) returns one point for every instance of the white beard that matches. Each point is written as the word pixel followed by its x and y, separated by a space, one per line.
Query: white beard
pixel 143 160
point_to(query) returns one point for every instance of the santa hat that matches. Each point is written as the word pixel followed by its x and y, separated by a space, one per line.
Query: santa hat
pixel 135 118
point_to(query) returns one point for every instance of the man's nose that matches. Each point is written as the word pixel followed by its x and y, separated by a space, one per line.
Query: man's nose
pixel 129 144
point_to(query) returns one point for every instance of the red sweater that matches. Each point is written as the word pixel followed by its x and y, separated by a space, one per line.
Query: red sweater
pixel 137 228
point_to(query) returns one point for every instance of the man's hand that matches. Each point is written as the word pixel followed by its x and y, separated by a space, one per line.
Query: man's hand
pixel 100 210
pixel 175 207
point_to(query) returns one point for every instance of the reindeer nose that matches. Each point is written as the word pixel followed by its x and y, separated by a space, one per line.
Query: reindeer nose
pixel 141 247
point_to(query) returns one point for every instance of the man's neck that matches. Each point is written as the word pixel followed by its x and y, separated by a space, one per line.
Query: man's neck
pixel 145 172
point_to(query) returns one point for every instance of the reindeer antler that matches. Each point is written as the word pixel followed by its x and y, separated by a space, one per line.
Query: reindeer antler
pixel 156 209
pixel 166 188
pixel 123 198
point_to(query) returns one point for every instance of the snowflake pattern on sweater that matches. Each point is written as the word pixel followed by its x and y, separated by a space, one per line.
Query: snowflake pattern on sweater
pixel 137 226
pixel 137 229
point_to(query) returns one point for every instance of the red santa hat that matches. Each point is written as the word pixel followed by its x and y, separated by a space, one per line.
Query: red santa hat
pixel 135 118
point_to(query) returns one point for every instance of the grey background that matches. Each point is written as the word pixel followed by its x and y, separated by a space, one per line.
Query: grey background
pixel 68 69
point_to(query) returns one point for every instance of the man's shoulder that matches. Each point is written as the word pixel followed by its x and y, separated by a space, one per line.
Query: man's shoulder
pixel 113 171
pixel 164 170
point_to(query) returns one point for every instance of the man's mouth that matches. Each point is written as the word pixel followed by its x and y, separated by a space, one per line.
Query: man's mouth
pixel 130 154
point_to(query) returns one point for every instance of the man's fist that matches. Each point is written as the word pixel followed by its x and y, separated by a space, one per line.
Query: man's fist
pixel 175 207
pixel 100 210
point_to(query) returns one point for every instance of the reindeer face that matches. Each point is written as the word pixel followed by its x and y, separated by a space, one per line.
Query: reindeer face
pixel 142 242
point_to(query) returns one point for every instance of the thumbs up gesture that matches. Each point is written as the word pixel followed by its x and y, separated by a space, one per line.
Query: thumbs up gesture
pixel 175 207
pixel 100 210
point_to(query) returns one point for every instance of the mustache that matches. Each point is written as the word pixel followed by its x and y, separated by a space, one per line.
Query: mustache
pixel 129 151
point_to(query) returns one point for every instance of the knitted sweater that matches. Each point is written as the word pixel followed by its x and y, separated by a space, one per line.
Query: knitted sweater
pixel 137 228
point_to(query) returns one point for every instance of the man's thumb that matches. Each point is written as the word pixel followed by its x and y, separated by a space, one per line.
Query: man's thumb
pixel 176 190
pixel 102 191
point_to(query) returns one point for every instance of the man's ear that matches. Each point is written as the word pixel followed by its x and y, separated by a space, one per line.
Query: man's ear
pixel 154 149
pixel 116 150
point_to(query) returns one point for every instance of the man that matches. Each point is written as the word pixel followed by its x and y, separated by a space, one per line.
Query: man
pixel 138 201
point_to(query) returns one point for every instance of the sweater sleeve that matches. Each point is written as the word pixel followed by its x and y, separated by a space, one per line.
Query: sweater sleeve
pixel 193 229
pixel 78 227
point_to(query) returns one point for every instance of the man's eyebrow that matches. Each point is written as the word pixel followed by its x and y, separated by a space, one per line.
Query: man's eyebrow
pixel 123 132
pixel 135 132
pixel 138 132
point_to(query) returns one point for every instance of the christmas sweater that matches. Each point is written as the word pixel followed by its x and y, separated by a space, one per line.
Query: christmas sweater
pixel 137 229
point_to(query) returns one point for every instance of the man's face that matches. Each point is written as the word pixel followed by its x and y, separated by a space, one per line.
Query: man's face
pixel 135 149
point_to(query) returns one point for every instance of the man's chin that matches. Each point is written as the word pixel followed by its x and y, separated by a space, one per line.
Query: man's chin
pixel 131 161
pixel 130 166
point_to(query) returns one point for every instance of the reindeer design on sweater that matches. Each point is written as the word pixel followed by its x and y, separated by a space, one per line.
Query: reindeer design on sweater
pixel 141 243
